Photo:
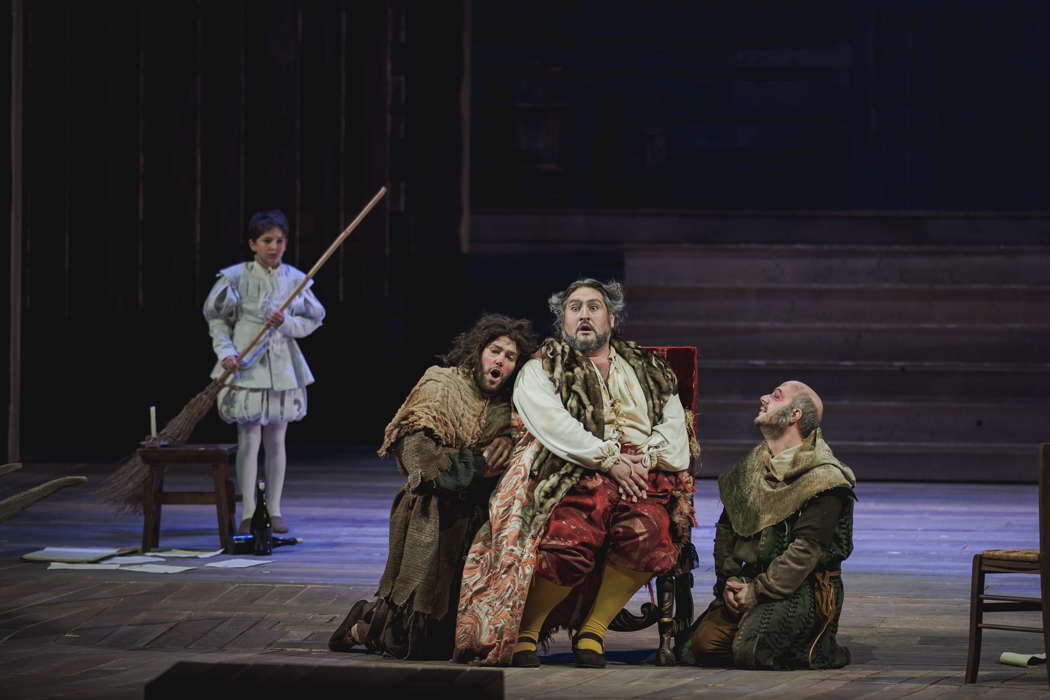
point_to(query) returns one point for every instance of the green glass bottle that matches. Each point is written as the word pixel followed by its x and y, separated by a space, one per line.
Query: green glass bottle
pixel 245 544
pixel 262 529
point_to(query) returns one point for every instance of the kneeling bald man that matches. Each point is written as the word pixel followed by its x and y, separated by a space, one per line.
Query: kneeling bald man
pixel 786 526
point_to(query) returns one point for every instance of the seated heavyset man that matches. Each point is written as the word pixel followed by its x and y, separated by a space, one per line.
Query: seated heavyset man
pixel 450 438
pixel 597 496
pixel 786 527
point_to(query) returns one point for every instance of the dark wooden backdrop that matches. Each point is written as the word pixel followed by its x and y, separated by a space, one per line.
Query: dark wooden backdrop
pixel 151 133
pixel 149 137
pixel 751 104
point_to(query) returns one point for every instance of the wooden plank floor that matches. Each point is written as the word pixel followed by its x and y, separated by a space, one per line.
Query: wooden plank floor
pixel 104 634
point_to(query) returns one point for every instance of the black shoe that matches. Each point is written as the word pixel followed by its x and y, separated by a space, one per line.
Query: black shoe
pixel 343 639
pixel 585 658
pixel 525 659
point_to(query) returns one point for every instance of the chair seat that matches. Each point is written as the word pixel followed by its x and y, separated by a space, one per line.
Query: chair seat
pixel 991 562
pixel 1025 555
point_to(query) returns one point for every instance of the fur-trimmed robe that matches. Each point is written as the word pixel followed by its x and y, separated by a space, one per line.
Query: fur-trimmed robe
pixel 499 568
pixel 441 428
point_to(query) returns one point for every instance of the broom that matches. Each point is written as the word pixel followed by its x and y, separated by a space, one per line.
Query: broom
pixel 124 488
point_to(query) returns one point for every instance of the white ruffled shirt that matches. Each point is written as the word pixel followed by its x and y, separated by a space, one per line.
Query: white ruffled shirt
pixel 237 307
pixel 666 445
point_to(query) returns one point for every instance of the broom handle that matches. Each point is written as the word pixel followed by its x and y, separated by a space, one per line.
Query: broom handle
pixel 309 275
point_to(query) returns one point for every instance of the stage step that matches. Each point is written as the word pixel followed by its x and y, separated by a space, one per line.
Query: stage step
pixel 885 380
pixel 511 230
pixel 671 266
pixel 932 358
pixel 903 461
pixel 932 361
pixel 908 419
pixel 1006 342
pixel 847 304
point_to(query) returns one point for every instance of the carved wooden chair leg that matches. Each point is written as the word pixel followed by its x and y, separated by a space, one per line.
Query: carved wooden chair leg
pixel 683 609
pixel 973 651
pixel 665 598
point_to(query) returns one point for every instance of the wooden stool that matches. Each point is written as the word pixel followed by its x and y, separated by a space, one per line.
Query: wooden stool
pixel 218 457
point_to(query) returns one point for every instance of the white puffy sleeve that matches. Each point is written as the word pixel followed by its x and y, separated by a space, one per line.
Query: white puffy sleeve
pixel 220 311
pixel 303 316
pixel 668 446
pixel 545 417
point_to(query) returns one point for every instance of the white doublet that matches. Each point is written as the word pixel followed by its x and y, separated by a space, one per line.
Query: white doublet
pixel 271 385
pixel 236 308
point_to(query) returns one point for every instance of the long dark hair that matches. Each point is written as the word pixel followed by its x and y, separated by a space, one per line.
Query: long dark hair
pixel 466 347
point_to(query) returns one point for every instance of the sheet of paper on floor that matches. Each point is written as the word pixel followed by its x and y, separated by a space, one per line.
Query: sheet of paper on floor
pixel 82 555
pixel 71 565
pixel 1013 658
pixel 237 563
pixel 158 568
pixel 184 553
pixel 133 559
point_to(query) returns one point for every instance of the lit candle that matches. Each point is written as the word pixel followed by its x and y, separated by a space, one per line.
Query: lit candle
pixel 153 421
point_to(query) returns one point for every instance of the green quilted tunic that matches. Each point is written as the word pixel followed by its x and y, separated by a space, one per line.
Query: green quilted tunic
pixel 799 630
pixel 795 632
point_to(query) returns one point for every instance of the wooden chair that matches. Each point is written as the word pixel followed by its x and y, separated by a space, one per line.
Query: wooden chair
pixel 1013 561
pixel 217 458
pixel 673 611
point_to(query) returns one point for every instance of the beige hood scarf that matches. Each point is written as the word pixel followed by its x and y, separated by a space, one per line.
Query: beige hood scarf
pixel 754 498
pixel 446 403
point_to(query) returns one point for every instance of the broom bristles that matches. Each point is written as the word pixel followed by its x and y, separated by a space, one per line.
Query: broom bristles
pixel 125 488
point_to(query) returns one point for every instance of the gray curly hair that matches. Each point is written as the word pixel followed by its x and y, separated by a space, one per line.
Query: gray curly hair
pixel 612 292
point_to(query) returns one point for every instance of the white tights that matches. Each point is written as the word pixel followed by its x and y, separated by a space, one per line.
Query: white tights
pixel 249 437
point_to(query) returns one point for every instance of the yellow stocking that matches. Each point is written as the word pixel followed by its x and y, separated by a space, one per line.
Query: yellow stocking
pixel 543 598
pixel 618 585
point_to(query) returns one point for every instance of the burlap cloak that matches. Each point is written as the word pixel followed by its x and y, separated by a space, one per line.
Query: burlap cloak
pixel 753 502
pixel 444 417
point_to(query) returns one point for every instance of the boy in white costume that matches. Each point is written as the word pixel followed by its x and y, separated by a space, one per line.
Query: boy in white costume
pixel 268 389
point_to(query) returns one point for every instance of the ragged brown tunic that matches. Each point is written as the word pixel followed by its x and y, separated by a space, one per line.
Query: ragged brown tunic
pixel 434 517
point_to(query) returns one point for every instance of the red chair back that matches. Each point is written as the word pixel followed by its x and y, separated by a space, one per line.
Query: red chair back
pixel 685 361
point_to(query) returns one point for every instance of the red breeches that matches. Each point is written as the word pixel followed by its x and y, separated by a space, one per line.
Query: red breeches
pixel 593 517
